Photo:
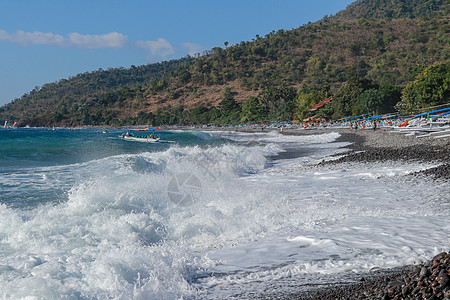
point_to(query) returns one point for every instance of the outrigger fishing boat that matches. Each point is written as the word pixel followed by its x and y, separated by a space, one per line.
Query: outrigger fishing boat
pixel 131 135
pixel 434 124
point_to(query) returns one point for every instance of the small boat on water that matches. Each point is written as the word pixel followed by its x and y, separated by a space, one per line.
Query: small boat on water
pixel 130 135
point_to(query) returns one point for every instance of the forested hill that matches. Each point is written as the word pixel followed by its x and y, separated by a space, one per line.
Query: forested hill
pixel 395 9
pixel 374 43
pixel 68 95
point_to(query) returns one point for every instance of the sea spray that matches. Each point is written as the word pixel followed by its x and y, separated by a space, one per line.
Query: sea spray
pixel 117 233
pixel 112 231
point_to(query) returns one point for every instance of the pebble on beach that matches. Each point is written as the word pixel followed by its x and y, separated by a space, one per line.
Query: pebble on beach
pixel 426 281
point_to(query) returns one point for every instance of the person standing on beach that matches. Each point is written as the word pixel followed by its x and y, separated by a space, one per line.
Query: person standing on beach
pixel 375 125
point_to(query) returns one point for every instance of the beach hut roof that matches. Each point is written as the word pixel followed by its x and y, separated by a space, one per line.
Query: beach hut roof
pixel 321 104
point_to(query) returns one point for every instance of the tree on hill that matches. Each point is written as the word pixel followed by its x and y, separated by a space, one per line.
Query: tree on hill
pixel 307 98
pixel 252 110
pixel 377 100
pixel 230 109
pixel 278 103
pixel 347 97
pixel 431 88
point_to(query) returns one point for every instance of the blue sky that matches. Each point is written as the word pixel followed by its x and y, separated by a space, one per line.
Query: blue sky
pixel 43 41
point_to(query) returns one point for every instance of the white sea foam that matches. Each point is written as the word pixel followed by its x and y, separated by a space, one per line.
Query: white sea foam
pixel 276 137
pixel 117 234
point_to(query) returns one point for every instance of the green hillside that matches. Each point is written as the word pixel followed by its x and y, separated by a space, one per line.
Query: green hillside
pixel 380 9
pixel 377 46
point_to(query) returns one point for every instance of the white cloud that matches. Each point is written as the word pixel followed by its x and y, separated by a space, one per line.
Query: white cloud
pixel 27 38
pixel 109 40
pixel 161 47
pixel 192 48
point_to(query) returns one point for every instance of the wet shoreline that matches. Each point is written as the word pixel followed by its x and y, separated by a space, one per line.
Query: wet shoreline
pixel 424 281
pixel 420 281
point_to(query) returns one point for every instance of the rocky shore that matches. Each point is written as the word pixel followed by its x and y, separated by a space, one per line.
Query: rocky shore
pixel 370 146
pixel 426 281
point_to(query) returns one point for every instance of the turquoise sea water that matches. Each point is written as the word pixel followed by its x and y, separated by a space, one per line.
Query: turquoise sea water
pixel 31 159
pixel 49 147
pixel 86 215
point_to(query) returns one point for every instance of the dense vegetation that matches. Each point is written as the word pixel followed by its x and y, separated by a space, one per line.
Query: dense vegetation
pixel 366 58
pixel 430 88
pixel 380 9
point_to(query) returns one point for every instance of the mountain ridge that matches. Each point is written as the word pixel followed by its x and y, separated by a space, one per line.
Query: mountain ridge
pixel 326 53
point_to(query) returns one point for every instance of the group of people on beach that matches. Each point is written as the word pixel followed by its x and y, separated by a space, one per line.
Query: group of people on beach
pixel 363 127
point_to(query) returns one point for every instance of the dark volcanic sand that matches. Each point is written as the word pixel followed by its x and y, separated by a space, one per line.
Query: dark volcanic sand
pixel 386 145
pixel 425 281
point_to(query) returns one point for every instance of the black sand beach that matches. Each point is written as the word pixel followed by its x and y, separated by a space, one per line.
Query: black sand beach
pixel 383 145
